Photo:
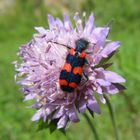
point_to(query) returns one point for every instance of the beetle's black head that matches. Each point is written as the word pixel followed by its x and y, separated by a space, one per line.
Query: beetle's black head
pixel 81 45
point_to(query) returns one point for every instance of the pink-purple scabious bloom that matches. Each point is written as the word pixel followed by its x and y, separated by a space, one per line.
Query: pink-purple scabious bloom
pixel 42 60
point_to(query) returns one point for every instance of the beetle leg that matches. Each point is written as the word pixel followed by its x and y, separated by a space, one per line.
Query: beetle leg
pixel 85 76
pixel 87 62
pixel 89 52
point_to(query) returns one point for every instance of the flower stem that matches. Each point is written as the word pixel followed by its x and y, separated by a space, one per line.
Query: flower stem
pixel 92 127
pixel 112 117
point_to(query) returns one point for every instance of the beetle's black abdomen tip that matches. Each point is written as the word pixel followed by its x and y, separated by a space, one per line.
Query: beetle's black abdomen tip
pixel 67 88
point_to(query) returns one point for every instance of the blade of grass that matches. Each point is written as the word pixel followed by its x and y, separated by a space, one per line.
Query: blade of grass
pixel 112 117
pixel 92 127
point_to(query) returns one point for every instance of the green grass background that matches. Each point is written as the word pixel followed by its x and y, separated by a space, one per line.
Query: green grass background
pixel 16 28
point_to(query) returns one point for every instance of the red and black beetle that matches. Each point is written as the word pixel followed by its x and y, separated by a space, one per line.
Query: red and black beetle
pixel 71 73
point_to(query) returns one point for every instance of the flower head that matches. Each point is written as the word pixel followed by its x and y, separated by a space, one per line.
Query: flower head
pixel 42 61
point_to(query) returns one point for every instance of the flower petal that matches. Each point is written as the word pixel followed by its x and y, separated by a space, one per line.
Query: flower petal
pixel 112 89
pixel 67 23
pixel 89 24
pixel 93 105
pixel 51 21
pixel 103 82
pixel 78 22
pixel 59 113
pixel 37 115
pixel 59 23
pixel 100 33
pixel 113 77
pixel 40 30
pixel 103 100
pixel 29 97
pixel 82 106
pixel 109 48
pixel 62 122
pixel 72 113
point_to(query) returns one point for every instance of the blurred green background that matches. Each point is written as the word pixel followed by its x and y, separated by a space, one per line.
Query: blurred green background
pixel 17 21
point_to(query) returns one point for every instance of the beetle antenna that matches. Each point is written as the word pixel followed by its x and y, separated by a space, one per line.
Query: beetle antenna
pixel 68 47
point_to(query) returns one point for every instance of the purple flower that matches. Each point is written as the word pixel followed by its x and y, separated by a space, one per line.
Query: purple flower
pixel 42 60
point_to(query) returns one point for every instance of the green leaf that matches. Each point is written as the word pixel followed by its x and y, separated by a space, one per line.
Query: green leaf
pixel 42 125
pixel 63 131
pixel 105 66
pixel 119 86
pixel 53 125
pixel 103 63
pixel 91 113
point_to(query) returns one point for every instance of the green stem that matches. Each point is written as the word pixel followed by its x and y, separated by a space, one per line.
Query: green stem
pixel 112 117
pixel 92 127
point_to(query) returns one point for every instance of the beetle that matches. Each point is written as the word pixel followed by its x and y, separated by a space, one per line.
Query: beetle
pixel 72 71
